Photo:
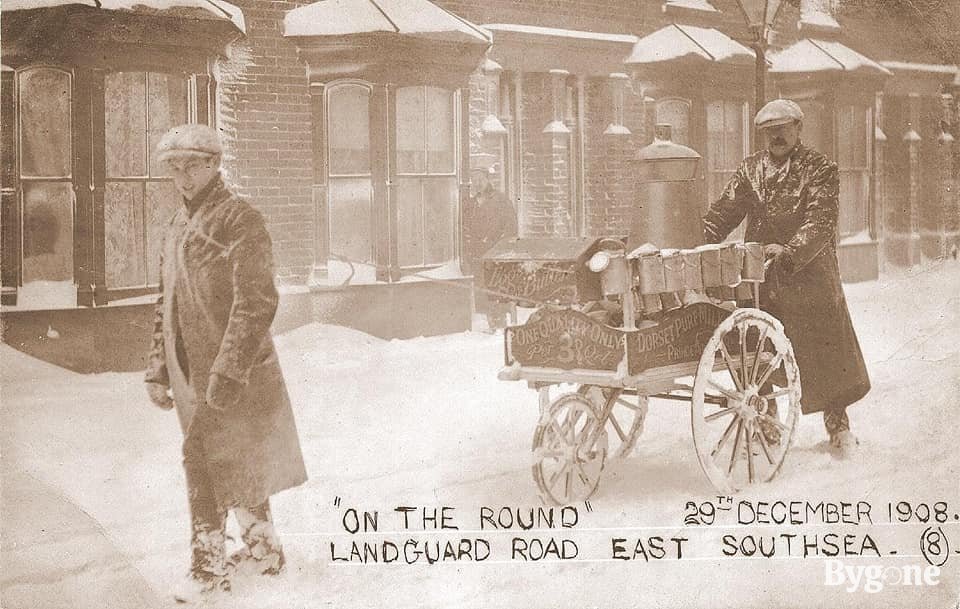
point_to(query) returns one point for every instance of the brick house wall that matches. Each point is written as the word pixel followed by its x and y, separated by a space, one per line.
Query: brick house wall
pixel 264 113
pixel 610 189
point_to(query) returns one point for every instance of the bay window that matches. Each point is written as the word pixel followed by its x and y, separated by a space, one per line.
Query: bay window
pixel 370 233
pixel 84 197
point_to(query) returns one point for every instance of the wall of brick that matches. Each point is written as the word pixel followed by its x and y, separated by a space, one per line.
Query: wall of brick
pixel 264 114
pixel 545 164
pixel 609 170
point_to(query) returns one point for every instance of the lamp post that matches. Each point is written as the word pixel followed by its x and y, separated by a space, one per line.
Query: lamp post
pixel 760 16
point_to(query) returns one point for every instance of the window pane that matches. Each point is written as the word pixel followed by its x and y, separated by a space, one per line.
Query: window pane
pixel 845 137
pixel 47 231
pixel 410 221
pixel 813 126
pixel 854 188
pixel 162 201
pixel 440 148
pixel 861 142
pixel 123 221
pixel 45 123
pixel 715 146
pixel 411 157
pixel 675 112
pixel 349 129
pixel 126 124
pixel 350 228
pixel 167 102
pixel 733 129
pixel 439 204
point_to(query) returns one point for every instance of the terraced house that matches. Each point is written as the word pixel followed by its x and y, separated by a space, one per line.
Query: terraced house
pixel 352 124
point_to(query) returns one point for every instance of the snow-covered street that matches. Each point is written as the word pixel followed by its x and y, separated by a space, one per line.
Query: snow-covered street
pixel 95 513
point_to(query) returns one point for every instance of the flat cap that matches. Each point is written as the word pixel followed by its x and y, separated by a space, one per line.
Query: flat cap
pixel 187 141
pixel 778 112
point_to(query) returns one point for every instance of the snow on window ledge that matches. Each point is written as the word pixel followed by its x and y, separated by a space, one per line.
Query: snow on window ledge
pixel 861 238
pixel 364 275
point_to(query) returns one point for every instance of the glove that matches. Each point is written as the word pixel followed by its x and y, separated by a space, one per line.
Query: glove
pixel 223 392
pixel 159 396
pixel 777 266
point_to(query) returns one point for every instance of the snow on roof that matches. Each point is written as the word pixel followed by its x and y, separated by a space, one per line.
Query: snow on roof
pixel 697 5
pixel 920 67
pixel 217 8
pixel 537 30
pixel 815 16
pixel 808 55
pixel 675 42
pixel 410 17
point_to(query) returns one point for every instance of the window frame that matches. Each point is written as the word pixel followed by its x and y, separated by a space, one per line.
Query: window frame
pixel 861 216
pixel 149 177
pixel 453 98
pixel 21 180
pixel 330 176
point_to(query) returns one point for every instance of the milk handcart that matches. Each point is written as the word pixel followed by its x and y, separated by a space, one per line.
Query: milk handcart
pixel 624 324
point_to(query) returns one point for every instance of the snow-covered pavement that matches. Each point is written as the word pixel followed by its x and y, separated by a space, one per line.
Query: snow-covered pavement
pixel 94 507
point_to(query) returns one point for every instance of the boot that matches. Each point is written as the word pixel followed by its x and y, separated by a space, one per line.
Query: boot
pixel 194 589
pixel 262 553
pixel 844 444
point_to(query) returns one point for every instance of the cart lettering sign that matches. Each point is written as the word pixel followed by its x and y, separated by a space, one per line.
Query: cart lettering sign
pixel 680 336
pixel 533 281
pixel 567 340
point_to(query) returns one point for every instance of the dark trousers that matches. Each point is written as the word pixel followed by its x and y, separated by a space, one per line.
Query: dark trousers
pixel 208 521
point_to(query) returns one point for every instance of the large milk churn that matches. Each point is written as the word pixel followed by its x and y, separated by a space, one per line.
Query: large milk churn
pixel 666 212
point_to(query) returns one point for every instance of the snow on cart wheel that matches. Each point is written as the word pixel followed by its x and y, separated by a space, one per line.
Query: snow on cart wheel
pixel 625 414
pixel 569 449
pixel 746 401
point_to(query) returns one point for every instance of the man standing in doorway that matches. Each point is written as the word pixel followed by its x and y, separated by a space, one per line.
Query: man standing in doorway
pixel 790 197
pixel 488 217
pixel 212 347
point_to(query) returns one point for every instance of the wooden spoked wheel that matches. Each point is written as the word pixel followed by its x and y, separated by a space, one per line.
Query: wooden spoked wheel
pixel 624 414
pixel 569 449
pixel 746 401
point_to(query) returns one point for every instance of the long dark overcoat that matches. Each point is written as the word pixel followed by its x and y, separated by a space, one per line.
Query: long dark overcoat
pixel 217 302
pixel 488 217
pixel 796 205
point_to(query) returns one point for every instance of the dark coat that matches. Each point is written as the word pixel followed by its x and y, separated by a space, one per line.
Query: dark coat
pixel 488 217
pixel 217 302
pixel 797 206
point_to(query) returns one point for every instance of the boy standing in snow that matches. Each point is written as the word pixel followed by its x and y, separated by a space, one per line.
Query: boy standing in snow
pixel 789 195
pixel 212 348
